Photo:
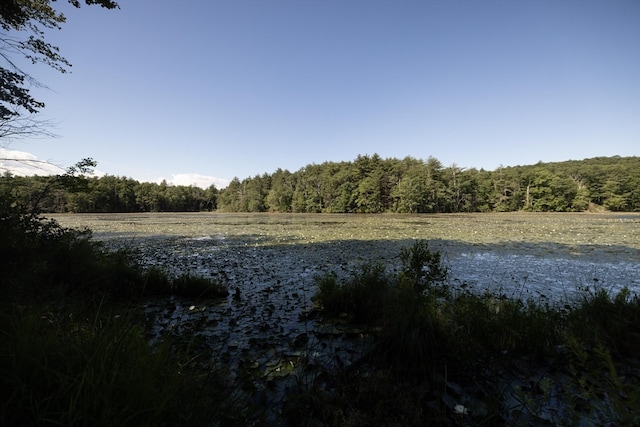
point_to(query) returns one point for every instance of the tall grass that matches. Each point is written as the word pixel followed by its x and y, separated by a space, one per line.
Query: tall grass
pixel 362 298
pixel 67 360
pixel 609 320
pixel 465 355
pixel 490 326
pixel 60 370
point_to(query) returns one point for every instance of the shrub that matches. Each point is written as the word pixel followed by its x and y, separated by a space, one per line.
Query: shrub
pixel 330 296
pixel 421 267
pixel 58 368
pixel 600 390
pixel 362 297
pixel 412 337
pixel 44 261
pixel 516 362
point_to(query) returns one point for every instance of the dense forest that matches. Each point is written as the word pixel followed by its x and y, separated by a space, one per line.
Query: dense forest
pixel 106 194
pixel 369 184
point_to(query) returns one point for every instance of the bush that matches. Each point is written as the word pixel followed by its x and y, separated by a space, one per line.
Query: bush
pixel 44 261
pixel 421 267
pixel 362 297
pixel 412 337
pixel 58 368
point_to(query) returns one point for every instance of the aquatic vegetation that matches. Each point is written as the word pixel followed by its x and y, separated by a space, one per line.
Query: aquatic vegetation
pixel 465 354
pixel 488 343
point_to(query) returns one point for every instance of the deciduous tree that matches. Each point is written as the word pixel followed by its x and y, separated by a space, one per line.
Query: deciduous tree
pixel 22 35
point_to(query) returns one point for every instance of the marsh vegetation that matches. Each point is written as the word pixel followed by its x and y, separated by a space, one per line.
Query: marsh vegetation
pixel 328 321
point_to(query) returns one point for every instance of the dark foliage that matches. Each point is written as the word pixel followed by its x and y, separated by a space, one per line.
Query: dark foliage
pixel 40 259
pixel 615 321
pixel 71 351
pixel 362 298
pixel 452 357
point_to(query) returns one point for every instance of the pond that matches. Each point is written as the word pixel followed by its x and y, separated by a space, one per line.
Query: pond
pixel 523 255
pixel 269 262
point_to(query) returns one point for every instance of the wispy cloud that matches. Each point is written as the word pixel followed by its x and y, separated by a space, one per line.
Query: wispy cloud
pixel 202 181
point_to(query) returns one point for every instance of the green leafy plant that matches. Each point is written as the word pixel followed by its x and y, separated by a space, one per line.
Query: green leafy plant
pixel 421 267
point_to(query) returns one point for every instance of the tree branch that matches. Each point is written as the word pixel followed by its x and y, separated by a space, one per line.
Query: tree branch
pixel 18 126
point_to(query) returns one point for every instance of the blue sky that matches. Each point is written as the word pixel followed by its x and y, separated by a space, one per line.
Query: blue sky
pixel 176 89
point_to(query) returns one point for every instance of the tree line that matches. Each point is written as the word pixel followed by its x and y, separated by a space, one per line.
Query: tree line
pixel 104 194
pixel 368 184
pixel 371 184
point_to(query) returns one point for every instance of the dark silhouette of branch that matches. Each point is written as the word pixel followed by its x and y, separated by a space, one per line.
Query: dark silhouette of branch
pixel 18 126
